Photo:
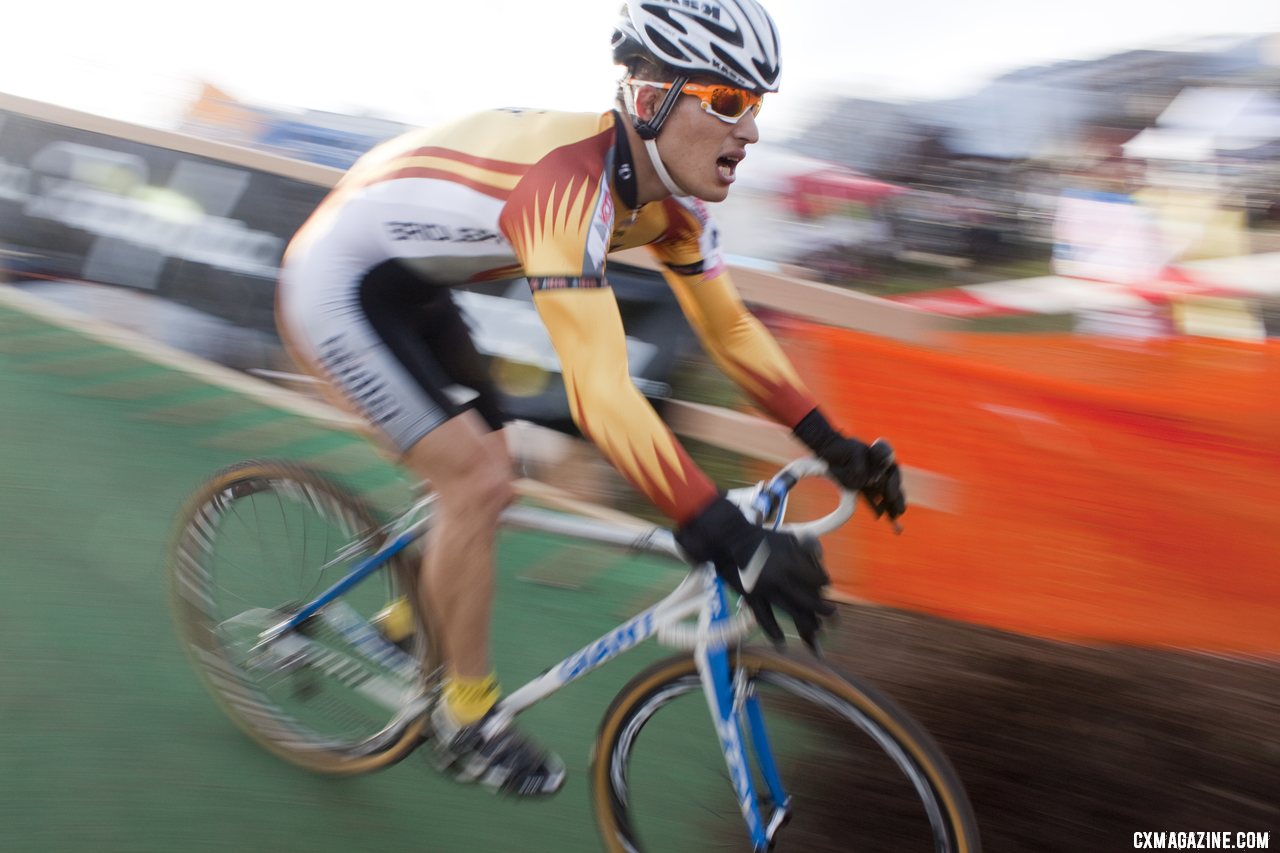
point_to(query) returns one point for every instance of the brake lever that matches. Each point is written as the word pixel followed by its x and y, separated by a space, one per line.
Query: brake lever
pixel 880 511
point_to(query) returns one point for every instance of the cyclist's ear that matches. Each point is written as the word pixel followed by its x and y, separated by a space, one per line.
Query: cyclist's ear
pixel 648 99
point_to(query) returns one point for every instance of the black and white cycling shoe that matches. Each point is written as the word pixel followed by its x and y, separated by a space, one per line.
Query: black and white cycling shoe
pixel 495 755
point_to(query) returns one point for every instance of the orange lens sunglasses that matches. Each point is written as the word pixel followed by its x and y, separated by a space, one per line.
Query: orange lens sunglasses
pixel 727 103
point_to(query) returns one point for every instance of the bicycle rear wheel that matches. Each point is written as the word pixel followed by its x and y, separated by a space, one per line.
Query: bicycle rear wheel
pixel 861 774
pixel 256 542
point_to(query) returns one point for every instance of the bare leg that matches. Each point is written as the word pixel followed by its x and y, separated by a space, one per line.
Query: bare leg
pixel 470 470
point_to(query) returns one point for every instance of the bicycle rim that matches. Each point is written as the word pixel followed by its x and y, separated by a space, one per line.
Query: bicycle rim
pixel 860 773
pixel 256 542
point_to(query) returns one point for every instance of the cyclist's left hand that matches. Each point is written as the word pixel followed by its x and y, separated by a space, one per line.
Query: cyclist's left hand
pixel 871 470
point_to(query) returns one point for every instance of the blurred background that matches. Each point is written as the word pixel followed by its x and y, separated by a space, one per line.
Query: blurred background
pixel 1038 250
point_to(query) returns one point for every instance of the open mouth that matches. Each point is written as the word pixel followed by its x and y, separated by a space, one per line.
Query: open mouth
pixel 727 166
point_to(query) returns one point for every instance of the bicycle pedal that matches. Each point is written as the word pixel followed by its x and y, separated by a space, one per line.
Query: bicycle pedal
pixel 449 762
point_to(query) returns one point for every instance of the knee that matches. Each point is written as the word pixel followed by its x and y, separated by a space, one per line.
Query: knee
pixel 482 495
pixel 496 491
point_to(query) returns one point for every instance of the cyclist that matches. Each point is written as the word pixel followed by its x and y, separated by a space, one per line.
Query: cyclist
pixel 364 302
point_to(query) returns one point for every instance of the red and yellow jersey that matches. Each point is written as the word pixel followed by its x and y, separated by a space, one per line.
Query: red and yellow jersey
pixel 547 196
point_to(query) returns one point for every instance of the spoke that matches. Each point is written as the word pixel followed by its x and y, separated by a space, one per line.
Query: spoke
pixel 234 508
pixel 231 510
pixel 320 697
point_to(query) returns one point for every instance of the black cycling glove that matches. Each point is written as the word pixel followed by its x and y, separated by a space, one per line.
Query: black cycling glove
pixel 768 568
pixel 870 470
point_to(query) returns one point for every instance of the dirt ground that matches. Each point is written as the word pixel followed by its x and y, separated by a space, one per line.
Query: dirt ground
pixel 1070 748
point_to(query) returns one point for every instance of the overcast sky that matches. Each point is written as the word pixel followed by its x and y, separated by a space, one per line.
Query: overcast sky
pixel 423 61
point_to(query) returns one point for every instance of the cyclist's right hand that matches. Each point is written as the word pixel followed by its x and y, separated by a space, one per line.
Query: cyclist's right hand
pixel 769 568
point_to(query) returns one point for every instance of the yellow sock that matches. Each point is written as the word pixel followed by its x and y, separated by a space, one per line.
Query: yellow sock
pixel 469 699
pixel 395 621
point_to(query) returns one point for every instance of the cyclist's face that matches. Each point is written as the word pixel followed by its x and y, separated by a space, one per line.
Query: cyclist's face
pixel 702 152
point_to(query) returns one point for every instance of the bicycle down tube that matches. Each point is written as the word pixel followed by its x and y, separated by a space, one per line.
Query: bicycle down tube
pixel 653 540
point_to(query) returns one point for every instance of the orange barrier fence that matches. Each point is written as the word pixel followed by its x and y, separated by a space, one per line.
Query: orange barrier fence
pixel 1105 491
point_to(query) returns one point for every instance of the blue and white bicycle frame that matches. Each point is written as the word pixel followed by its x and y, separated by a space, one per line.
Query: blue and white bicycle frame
pixel 700 597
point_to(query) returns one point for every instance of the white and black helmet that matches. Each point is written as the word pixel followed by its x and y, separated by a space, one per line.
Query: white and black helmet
pixel 735 40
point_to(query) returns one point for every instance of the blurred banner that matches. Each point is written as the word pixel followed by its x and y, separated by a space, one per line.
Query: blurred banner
pixel 1107 237
pixel 85 206
pixel 1103 492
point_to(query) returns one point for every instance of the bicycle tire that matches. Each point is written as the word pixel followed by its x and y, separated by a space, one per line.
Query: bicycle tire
pixel 838 740
pixel 205 578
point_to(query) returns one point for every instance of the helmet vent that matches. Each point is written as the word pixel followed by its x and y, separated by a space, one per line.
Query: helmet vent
pixel 692 48
pixel 660 42
pixel 730 62
pixel 664 14
pixel 766 72
pixel 733 37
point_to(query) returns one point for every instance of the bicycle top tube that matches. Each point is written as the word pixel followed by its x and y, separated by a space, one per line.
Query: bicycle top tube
pixel 649 539
pixel 759 502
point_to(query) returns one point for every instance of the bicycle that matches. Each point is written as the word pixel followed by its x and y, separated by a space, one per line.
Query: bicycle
pixel 315 677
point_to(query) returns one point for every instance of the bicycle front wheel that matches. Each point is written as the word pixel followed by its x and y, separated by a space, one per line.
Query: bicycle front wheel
pixel 860 773
pixel 338 694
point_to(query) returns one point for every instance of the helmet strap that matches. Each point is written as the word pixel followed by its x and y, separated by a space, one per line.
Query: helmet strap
pixel 651 146
pixel 648 130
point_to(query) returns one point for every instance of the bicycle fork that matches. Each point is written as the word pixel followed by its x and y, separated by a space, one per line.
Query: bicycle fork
pixel 735 708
